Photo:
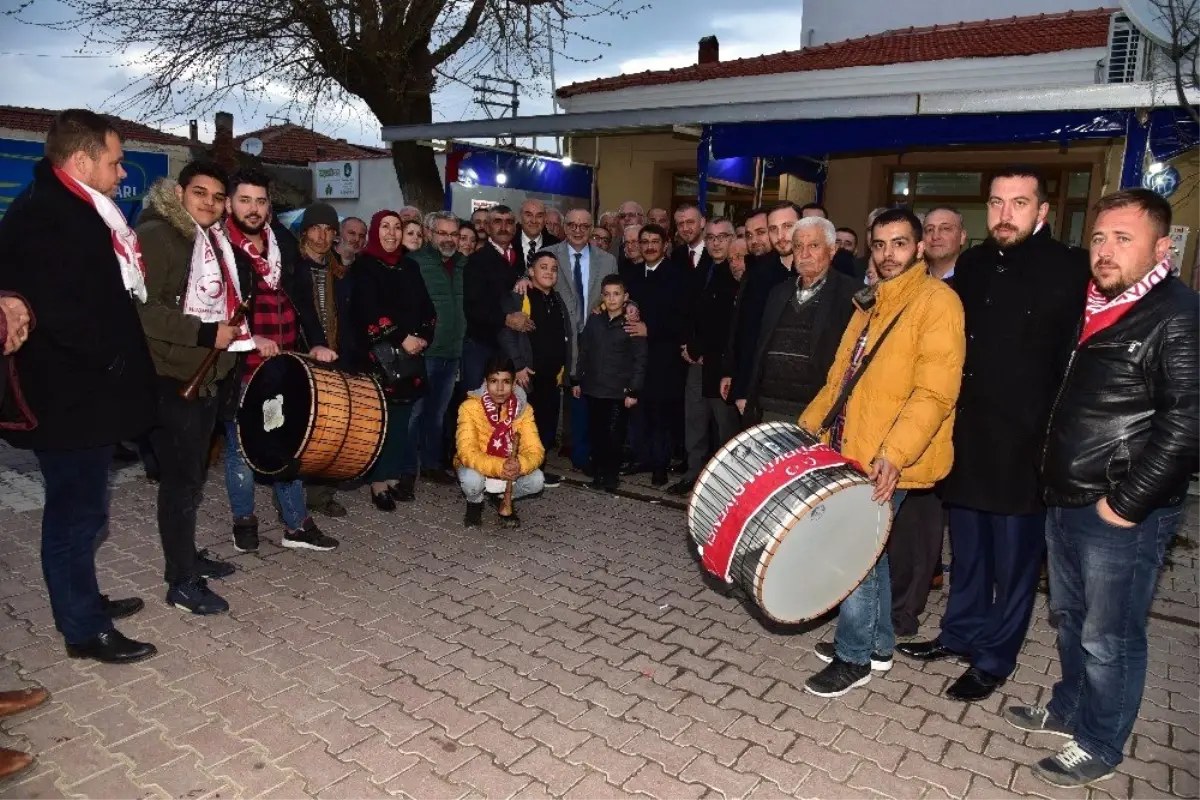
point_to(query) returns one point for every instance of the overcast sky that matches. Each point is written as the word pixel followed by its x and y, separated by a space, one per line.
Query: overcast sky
pixel 40 69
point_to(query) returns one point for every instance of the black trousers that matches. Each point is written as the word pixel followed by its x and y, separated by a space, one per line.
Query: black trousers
pixel 914 549
pixel 607 420
pixel 181 441
pixel 545 397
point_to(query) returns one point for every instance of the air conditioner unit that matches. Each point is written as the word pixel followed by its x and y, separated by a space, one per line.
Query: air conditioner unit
pixel 1128 52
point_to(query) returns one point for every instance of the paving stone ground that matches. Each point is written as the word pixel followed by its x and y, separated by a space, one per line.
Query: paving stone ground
pixel 582 656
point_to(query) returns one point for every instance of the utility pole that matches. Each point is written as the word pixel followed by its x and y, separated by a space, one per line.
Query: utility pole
pixel 489 89
pixel 553 83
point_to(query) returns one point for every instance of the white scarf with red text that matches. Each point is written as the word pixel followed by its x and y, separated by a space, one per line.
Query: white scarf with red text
pixel 124 240
pixel 1101 312
pixel 213 290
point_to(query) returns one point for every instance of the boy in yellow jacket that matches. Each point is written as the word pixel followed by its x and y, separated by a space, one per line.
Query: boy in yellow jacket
pixel 497 442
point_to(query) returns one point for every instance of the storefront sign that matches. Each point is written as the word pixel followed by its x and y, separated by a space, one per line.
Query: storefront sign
pixel 335 180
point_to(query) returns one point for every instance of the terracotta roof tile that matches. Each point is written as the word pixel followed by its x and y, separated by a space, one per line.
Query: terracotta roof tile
pixel 1014 36
pixel 39 119
pixel 299 145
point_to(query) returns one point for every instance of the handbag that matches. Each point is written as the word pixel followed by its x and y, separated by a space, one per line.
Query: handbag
pixel 402 376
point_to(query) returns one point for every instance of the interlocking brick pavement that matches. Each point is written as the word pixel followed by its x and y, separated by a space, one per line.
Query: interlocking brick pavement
pixel 582 655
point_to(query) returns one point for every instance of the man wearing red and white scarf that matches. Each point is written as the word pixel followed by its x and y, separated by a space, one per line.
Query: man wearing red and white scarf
pixel 85 371
pixel 1121 447
pixel 183 246
pixel 283 318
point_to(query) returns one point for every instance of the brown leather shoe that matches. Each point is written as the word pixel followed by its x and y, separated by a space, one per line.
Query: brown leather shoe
pixel 12 762
pixel 21 700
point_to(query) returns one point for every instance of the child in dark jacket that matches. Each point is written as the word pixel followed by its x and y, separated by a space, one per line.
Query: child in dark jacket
pixel 611 369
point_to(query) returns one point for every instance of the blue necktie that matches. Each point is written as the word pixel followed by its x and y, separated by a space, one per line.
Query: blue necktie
pixel 583 309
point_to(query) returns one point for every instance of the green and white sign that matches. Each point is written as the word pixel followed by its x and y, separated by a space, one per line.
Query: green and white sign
pixel 335 180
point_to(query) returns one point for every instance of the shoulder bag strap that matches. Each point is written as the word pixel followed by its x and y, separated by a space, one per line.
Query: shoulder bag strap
pixel 844 395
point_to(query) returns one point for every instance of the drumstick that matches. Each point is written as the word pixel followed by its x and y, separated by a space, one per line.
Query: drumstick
pixel 192 387
pixel 506 505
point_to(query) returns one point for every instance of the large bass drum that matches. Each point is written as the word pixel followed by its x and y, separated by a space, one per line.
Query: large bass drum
pixel 787 519
pixel 303 419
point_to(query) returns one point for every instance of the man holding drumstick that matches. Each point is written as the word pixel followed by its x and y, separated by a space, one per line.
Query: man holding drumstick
pixel 888 403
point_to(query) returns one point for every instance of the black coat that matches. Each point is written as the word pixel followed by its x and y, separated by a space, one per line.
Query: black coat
pixel 1022 310
pixel 612 364
pixel 848 265
pixel 763 273
pixel 709 323
pixel 548 239
pixel 833 307
pixel 389 303
pixel 662 299
pixel 1125 424
pixel 487 281
pixel 85 371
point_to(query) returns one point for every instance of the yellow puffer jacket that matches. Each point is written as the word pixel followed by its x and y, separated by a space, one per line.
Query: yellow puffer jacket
pixel 903 407
pixel 474 430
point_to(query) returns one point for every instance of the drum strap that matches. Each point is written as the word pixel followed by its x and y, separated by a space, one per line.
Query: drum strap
pixel 849 385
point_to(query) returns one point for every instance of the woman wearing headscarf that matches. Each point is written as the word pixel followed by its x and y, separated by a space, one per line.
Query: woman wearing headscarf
pixel 394 318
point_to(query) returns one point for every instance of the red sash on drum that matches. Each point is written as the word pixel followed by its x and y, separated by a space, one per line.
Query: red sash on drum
pixel 717 555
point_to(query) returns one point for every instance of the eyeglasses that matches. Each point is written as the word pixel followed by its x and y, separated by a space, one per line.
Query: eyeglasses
pixel 718 237
pixel 578 226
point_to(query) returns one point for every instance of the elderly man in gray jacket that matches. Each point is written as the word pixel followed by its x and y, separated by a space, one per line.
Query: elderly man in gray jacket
pixel 582 268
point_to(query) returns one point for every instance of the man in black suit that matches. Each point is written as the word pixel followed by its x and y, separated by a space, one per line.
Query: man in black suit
pixel 488 279
pixel 86 372
pixel 691 254
pixel 659 289
pixel 534 236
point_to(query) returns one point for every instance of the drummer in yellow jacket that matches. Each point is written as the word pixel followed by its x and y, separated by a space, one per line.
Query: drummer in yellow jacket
pixel 895 420
pixel 497 442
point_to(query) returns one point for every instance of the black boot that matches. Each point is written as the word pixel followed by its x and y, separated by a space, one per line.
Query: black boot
pixel 403 490
pixel 245 534
pixel 474 517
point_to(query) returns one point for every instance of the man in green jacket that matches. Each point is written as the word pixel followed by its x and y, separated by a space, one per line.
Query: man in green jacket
pixel 442 268
pixel 193 289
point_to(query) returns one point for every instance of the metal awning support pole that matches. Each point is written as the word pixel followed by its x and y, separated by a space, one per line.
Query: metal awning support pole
pixel 1133 163
pixel 703 154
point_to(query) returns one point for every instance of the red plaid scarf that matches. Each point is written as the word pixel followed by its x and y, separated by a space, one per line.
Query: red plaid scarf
pixel 501 440
pixel 273 317
pixel 1101 312
pixel 266 262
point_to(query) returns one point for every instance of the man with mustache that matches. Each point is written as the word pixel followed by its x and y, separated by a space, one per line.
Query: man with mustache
pixel 1122 445
pixel 1022 293
pixel 888 403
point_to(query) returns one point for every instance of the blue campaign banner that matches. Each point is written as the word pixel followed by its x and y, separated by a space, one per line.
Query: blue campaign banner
pixel 478 166
pixel 737 170
pixel 17 157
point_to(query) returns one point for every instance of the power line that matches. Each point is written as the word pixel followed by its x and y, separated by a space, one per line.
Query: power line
pixel 50 55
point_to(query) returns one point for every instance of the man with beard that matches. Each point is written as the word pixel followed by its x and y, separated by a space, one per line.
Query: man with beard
pixel 799 331
pixel 534 236
pixel 847 240
pixel 554 223
pixel 283 317
pixel 481 222
pixel 891 409
pixel 707 333
pixel 657 291
pixel 1122 445
pixel 184 246
pixel 85 370
pixel 690 254
pixel 351 238
pixel 1023 294
pixel 768 237
pixel 442 269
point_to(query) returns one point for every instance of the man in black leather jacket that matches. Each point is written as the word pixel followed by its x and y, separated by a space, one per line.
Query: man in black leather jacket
pixel 1121 446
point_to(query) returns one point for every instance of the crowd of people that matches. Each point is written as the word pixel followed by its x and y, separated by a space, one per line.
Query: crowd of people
pixel 1047 409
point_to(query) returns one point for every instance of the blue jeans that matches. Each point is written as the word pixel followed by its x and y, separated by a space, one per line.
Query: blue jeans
pixel 239 484
pixel 474 361
pixel 425 425
pixel 76 511
pixel 1102 581
pixel 993 583
pixel 864 622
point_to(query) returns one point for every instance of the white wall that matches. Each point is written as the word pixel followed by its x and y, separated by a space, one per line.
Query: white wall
pixel 378 188
pixel 837 20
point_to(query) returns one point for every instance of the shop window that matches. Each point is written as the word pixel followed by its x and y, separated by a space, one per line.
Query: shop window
pixel 900 184
pixel 1078 184
pixel 949 184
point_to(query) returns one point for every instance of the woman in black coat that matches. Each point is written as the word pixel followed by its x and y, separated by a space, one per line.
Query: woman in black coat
pixel 394 318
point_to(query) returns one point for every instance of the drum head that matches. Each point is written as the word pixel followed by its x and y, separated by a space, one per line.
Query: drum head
pixel 275 415
pixel 824 556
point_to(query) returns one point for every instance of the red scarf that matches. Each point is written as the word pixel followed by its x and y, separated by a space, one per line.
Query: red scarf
pixel 266 262
pixel 374 248
pixel 501 441
pixel 1101 312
